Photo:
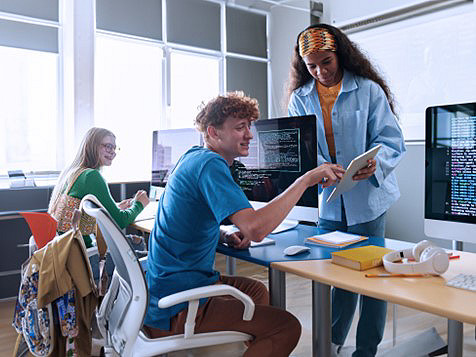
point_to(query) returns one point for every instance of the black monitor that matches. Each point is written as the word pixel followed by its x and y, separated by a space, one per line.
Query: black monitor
pixel 450 174
pixel 282 150
pixel 167 148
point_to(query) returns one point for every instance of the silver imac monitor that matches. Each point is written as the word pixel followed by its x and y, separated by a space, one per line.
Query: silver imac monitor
pixel 282 150
pixel 167 148
pixel 450 173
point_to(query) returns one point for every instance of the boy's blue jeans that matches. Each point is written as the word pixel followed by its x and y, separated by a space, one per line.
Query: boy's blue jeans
pixel 373 312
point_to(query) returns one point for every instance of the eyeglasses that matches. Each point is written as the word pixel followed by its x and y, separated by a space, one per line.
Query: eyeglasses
pixel 110 148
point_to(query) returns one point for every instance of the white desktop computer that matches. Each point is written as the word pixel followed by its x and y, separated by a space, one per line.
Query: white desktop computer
pixel 450 172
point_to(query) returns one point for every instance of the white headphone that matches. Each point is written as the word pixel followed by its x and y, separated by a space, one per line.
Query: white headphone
pixel 428 260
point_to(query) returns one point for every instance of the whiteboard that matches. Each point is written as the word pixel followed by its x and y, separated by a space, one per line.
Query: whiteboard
pixel 345 11
pixel 427 60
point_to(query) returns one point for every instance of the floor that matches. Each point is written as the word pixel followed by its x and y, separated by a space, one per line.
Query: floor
pixel 409 322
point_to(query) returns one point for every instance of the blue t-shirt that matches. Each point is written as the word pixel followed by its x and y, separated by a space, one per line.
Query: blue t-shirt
pixel 199 194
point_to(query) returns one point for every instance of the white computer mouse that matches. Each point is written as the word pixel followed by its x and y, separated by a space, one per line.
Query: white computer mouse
pixel 295 249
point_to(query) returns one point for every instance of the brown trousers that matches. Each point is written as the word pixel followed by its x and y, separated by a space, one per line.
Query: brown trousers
pixel 276 332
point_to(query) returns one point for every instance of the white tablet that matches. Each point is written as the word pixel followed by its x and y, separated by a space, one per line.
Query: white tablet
pixel 355 165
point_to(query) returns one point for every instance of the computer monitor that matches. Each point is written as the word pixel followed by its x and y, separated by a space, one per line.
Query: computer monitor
pixel 450 173
pixel 167 148
pixel 282 150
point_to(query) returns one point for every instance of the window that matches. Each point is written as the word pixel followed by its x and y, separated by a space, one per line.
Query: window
pixel 246 33
pixel 128 101
pixel 29 110
pixel 194 23
pixel 194 79
pixel 251 78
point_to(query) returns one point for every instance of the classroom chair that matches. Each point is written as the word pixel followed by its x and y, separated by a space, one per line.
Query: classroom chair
pixel 121 314
pixel 42 227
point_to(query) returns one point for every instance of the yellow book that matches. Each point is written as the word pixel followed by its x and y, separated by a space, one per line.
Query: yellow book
pixel 361 258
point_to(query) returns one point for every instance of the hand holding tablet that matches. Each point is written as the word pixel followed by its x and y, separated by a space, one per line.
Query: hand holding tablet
pixel 355 165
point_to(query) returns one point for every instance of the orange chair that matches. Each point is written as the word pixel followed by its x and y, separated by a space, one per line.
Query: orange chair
pixel 42 227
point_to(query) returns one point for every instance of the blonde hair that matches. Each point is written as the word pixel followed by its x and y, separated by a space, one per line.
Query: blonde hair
pixel 87 157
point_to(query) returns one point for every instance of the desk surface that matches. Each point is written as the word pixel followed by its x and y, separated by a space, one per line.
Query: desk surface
pixel 144 225
pixel 265 255
pixel 429 294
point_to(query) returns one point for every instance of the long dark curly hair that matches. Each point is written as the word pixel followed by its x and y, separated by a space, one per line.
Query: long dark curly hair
pixel 350 58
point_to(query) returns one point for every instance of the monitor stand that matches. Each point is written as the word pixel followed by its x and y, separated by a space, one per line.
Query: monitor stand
pixel 285 225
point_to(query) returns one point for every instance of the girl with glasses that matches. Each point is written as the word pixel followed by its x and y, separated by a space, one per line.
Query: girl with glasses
pixel 83 177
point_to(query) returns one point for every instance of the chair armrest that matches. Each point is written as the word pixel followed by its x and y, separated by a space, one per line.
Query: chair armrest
pixel 91 251
pixel 32 248
pixel 193 295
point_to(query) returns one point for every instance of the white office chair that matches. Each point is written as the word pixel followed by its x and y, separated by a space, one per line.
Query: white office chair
pixel 123 309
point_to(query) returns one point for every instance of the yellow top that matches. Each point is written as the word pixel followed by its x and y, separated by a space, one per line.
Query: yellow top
pixel 327 98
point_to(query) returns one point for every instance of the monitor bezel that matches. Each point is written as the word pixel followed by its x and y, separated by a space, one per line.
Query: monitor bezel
pixel 298 212
pixel 438 225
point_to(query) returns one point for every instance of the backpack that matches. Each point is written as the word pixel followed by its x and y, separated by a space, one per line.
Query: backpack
pixel 36 325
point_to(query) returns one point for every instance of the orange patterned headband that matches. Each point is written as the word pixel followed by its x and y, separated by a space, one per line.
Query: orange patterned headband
pixel 315 39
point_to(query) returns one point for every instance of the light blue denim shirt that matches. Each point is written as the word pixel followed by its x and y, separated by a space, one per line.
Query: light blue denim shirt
pixel 361 119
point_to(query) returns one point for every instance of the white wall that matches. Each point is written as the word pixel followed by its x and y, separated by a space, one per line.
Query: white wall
pixel 285 24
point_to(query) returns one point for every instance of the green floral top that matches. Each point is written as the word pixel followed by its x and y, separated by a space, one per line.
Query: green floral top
pixel 92 182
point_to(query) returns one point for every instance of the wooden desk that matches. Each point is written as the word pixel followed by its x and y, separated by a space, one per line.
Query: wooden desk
pixel 428 294
pixel 145 220
pixel 144 226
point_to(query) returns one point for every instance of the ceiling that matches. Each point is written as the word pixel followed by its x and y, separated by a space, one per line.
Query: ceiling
pixel 267 5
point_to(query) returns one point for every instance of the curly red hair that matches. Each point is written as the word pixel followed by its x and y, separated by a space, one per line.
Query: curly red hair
pixel 233 104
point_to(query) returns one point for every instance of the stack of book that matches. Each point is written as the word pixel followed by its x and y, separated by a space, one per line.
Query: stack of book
pixel 361 258
pixel 336 239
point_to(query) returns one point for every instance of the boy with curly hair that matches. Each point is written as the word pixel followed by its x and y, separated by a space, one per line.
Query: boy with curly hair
pixel 200 194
